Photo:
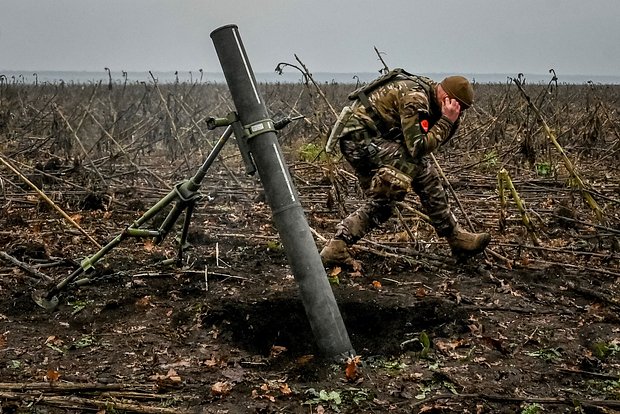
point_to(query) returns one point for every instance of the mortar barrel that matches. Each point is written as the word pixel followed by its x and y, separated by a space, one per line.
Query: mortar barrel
pixel 316 293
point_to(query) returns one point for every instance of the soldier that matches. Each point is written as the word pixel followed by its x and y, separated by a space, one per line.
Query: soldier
pixel 387 135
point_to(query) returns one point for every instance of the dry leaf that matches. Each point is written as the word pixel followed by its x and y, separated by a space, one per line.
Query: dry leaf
pixel 351 369
pixel 77 218
pixel 497 344
pixel 285 389
pixel 277 350
pixel 401 237
pixel 446 347
pixel 52 376
pixel 305 359
pixel 144 302
pixel 434 408
pixel 173 376
pixel 335 271
pixel 264 394
pixel 420 292
pixel 149 245
pixel 221 388
pixel 54 340
pixel 215 363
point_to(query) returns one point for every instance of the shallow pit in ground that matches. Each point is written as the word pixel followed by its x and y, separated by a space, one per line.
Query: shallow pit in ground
pixel 376 326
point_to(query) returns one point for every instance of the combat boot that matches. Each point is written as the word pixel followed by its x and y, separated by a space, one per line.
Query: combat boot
pixel 464 243
pixel 336 252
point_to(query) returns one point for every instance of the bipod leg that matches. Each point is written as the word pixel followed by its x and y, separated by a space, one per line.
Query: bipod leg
pixel 187 191
pixel 49 300
pixel 184 233
pixel 185 194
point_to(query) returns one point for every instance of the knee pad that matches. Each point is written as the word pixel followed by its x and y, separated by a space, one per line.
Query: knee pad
pixel 391 183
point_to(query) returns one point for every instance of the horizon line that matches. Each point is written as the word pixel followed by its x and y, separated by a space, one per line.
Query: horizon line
pixel 33 71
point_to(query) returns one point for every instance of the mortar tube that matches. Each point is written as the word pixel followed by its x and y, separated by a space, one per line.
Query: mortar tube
pixel 316 293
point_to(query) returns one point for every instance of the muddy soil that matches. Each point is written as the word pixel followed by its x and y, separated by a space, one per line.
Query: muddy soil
pixel 226 332
pixel 529 327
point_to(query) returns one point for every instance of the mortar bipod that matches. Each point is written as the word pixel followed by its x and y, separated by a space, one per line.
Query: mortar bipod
pixel 184 195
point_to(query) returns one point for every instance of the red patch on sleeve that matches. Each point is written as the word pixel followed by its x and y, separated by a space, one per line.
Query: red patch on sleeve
pixel 424 125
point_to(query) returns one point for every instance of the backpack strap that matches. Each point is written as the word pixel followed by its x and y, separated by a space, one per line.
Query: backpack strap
pixel 372 113
pixel 381 80
pixel 362 93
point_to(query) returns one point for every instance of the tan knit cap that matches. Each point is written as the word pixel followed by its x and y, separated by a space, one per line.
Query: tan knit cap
pixel 459 88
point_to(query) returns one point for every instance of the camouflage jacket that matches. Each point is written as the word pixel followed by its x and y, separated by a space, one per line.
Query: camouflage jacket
pixel 408 107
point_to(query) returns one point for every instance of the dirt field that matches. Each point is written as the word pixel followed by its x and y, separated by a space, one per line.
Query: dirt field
pixel 530 327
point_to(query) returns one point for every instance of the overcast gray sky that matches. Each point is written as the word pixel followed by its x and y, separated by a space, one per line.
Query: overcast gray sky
pixel 476 36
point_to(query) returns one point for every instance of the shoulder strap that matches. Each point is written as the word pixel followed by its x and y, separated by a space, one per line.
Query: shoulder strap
pixel 362 93
pixel 374 84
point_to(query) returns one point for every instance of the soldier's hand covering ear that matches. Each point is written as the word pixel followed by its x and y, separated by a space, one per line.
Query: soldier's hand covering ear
pixel 451 109
pixel 422 132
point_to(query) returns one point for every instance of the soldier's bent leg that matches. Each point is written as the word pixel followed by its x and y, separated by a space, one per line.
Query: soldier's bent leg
pixel 427 185
pixel 353 228
pixel 375 212
pixel 377 209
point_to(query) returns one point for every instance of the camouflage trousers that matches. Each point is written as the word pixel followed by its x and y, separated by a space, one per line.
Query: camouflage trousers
pixel 366 154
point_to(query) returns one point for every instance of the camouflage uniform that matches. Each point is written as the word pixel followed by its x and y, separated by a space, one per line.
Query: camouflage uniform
pixel 409 111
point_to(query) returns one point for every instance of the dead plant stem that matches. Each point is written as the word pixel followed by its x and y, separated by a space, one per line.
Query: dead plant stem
pixel 49 201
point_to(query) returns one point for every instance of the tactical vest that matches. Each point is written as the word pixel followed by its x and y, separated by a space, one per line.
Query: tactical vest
pixel 363 92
